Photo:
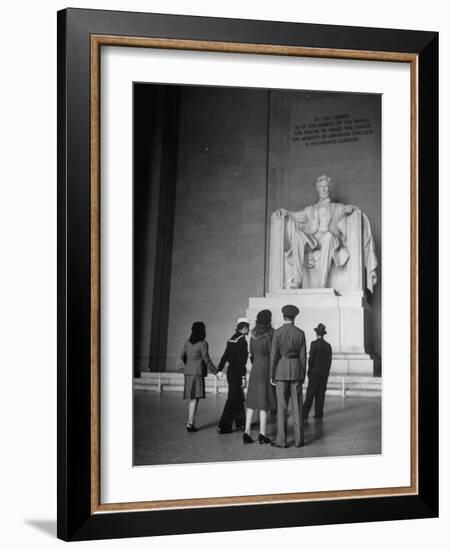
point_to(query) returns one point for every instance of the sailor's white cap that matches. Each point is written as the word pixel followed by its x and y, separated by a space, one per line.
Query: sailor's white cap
pixel 243 320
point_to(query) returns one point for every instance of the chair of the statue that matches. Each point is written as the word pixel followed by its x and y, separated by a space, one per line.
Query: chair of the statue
pixel 347 278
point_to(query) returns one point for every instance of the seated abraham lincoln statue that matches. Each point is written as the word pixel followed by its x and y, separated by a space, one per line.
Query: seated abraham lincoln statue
pixel 326 240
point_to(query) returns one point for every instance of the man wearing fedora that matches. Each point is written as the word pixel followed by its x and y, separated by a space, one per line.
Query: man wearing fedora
pixel 319 365
pixel 288 370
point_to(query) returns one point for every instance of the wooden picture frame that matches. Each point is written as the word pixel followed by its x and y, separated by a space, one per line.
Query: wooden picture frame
pixel 81 35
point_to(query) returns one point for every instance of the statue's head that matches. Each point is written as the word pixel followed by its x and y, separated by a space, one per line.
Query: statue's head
pixel 324 186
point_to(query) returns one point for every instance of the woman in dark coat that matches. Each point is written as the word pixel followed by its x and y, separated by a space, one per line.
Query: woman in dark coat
pixel 261 394
pixel 196 360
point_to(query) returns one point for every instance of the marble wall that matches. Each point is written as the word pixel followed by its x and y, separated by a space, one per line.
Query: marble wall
pixel 220 213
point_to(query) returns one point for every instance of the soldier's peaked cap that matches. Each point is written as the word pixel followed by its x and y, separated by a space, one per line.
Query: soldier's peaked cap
pixel 290 311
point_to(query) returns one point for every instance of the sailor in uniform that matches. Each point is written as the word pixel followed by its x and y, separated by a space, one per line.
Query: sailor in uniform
pixel 235 355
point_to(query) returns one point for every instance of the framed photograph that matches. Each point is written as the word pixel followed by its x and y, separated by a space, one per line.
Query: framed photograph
pixel 247 256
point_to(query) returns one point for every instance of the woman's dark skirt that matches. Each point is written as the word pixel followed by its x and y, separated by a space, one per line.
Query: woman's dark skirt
pixel 194 387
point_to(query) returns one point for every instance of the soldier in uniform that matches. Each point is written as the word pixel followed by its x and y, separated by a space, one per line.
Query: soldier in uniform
pixel 236 355
pixel 288 370
pixel 319 365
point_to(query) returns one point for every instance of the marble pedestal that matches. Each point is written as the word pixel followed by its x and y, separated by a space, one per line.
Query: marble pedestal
pixel 347 317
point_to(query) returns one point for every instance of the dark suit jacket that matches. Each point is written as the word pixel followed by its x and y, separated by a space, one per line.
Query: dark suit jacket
pixel 320 356
pixel 288 340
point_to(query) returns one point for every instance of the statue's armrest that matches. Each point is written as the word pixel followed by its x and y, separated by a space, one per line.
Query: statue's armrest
pixel 353 225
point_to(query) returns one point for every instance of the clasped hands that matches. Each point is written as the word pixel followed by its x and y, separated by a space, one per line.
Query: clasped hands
pixel 220 375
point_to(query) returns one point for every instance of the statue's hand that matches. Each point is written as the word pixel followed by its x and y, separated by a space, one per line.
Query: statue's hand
pixel 301 217
pixel 349 208
pixel 281 212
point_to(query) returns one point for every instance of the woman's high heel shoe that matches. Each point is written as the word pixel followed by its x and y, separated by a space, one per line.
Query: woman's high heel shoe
pixel 246 438
pixel 191 428
pixel 263 439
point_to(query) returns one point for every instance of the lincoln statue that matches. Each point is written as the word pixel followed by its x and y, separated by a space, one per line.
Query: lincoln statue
pixel 315 240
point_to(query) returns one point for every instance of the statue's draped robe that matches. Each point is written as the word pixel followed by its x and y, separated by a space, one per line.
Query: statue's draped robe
pixel 370 259
pixel 323 226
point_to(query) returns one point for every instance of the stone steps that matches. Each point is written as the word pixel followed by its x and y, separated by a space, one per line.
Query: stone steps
pixel 343 386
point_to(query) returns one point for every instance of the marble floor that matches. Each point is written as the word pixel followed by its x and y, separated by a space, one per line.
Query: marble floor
pixel 350 426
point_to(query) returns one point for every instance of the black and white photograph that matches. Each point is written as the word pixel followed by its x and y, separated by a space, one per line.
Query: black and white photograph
pixel 257 274
pixel 224 289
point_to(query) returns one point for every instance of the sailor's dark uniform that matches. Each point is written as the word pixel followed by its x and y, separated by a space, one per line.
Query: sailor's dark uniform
pixel 236 355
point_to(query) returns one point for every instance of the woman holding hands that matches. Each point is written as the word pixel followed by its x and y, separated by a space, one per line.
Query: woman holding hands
pixel 195 356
